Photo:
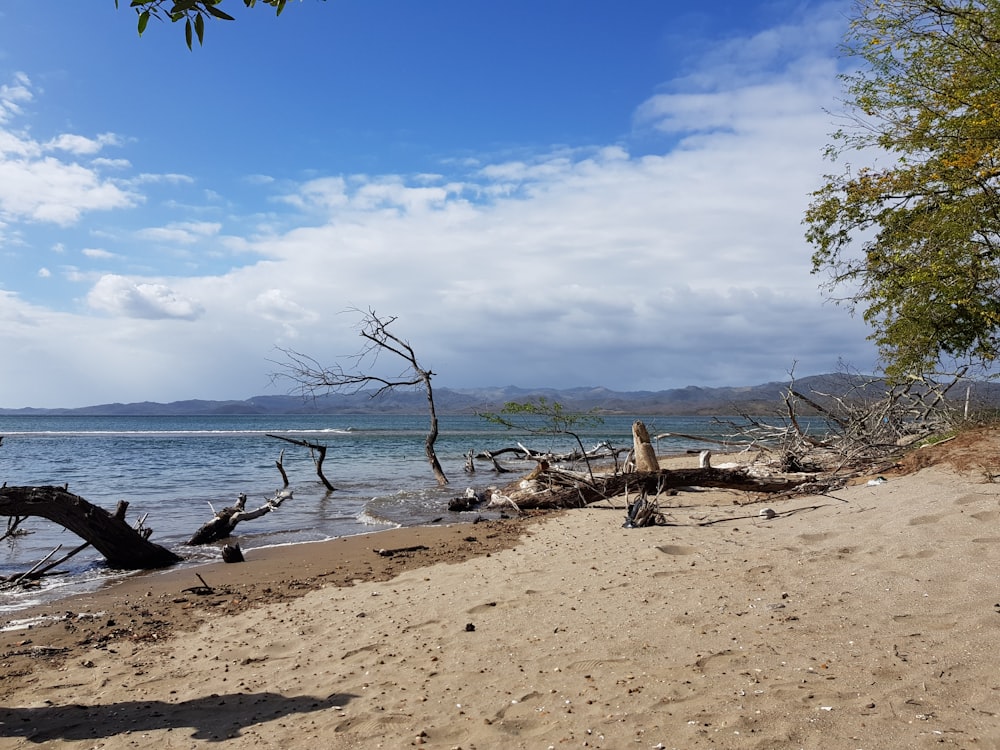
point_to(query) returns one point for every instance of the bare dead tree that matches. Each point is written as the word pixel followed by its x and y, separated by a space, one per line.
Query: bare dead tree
pixel 316 450
pixel 312 378
pixel 866 421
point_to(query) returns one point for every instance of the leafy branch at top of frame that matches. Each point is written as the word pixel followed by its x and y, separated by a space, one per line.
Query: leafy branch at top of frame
pixel 192 12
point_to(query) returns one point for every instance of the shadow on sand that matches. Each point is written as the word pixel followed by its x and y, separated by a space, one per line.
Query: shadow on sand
pixel 213 718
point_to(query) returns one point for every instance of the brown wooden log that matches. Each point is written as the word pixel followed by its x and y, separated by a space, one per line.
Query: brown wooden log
pixel 122 546
pixel 224 522
pixel 580 492
pixel 318 451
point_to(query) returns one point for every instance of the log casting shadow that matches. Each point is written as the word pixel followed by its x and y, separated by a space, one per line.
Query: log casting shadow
pixel 214 718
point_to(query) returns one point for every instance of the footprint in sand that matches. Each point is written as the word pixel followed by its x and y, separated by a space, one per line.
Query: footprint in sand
pixel 967 499
pixel 369 725
pixel 813 538
pixel 721 662
pixel 921 555
pixel 986 515
pixel 591 665
pixel 677 549
pixel 921 520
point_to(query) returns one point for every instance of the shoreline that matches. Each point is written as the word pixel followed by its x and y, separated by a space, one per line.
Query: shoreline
pixel 863 618
pixel 296 568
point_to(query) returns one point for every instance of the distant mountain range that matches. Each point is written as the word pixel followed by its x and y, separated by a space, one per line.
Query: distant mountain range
pixel 692 400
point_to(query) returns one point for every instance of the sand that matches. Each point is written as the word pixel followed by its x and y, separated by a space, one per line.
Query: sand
pixel 866 618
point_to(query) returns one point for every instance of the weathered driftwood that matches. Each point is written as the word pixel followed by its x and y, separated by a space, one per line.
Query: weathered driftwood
pixel 559 489
pixel 221 525
pixel 121 545
pixel 604 450
pixel 642 447
pixel 318 452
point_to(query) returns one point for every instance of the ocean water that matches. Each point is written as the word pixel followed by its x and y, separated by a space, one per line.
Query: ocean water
pixel 175 470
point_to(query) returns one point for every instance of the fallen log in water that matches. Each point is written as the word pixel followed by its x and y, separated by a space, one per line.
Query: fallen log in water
pixel 121 545
pixel 223 523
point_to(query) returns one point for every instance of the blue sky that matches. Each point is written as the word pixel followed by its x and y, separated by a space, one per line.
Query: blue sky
pixel 558 194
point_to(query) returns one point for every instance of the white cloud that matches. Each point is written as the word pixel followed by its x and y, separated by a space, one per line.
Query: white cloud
pixel 37 186
pixel 121 296
pixel 105 163
pixel 614 265
pixel 44 273
pixel 97 253
pixel 14 94
pixel 276 306
pixel 181 233
pixel 81 145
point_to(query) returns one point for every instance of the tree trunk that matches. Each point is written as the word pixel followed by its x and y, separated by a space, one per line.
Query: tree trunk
pixel 122 546
pixel 645 456
pixel 432 458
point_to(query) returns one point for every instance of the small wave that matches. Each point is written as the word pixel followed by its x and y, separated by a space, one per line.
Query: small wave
pixel 366 518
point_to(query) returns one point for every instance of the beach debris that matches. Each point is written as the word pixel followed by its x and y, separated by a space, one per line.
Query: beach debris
pixel 203 590
pixel 471 500
pixel 499 500
pixel 221 526
pixel 399 550
pixel 877 481
pixel 231 553
pixel 643 512
pixel 767 513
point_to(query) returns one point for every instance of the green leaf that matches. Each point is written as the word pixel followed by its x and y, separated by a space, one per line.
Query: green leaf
pixel 143 20
pixel 187 33
pixel 199 28
pixel 216 13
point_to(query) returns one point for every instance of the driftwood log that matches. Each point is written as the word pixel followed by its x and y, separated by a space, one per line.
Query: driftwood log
pixel 224 521
pixel 642 446
pixel 121 545
pixel 558 489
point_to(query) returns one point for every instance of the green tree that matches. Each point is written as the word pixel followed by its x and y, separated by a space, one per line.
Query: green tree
pixel 911 236
pixel 544 417
pixel 192 12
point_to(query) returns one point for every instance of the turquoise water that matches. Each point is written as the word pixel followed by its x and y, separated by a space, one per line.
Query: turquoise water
pixel 175 470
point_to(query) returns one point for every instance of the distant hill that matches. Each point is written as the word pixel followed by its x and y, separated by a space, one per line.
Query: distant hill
pixel 693 400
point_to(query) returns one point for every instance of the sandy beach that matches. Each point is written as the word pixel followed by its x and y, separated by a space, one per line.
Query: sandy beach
pixel 865 618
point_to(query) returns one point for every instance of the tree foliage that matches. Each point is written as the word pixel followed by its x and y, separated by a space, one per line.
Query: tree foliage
pixel 544 417
pixel 192 12
pixel 912 235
